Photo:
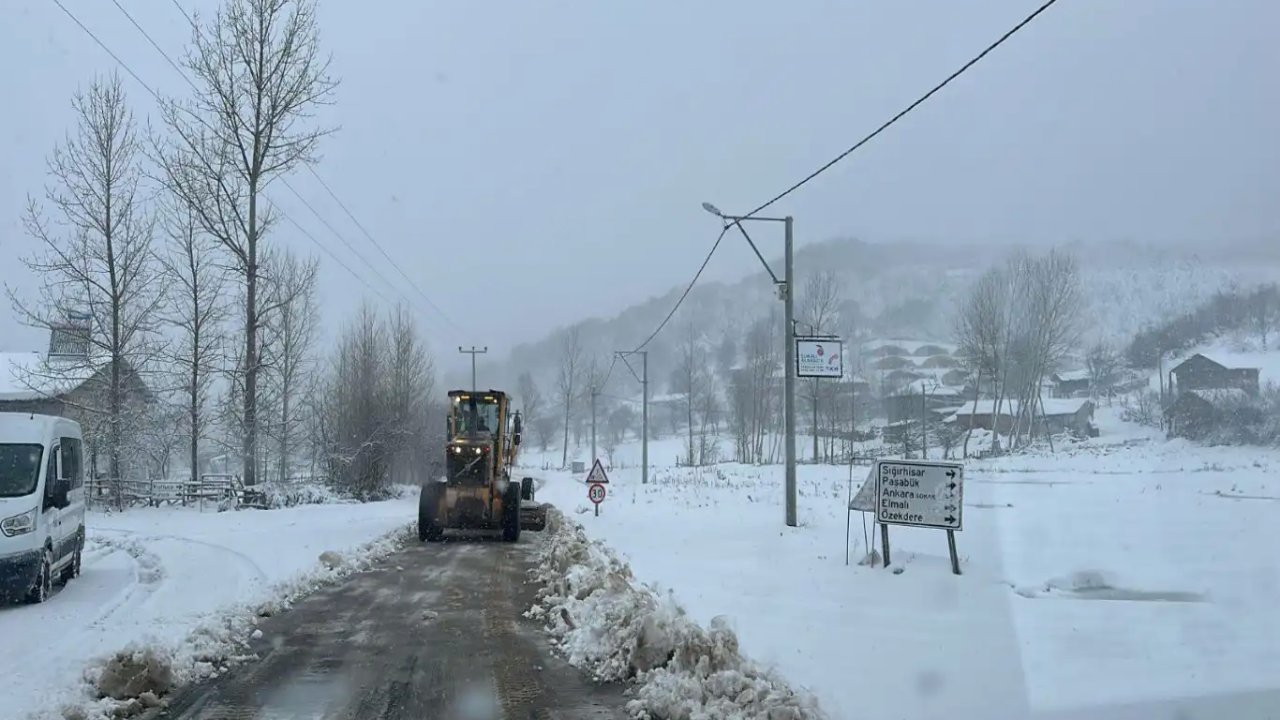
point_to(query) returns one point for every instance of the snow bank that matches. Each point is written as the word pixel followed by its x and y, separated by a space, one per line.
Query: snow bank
pixel 608 625
pixel 139 676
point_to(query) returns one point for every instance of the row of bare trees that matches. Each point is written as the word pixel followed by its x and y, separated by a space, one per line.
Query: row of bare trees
pixel 377 420
pixel 1019 323
pixel 731 382
pixel 158 255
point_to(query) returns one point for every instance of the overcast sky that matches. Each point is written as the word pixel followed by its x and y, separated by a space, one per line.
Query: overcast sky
pixel 531 163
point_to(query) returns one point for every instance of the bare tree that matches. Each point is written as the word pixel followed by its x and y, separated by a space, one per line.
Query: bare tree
pixel 689 379
pixel 753 391
pixel 567 379
pixel 259 75
pixel 978 333
pixel 1103 365
pixel 197 312
pixel 531 399
pixel 1264 311
pixel 356 417
pixel 411 379
pixel 819 310
pixel 102 287
pixel 289 327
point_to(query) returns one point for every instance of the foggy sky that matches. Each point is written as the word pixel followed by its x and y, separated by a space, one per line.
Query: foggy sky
pixel 532 163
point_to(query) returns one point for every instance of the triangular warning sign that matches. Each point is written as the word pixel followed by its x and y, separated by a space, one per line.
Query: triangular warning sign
pixel 597 474
pixel 865 499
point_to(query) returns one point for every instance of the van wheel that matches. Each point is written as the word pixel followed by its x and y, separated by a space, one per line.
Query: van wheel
pixel 72 570
pixel 44 583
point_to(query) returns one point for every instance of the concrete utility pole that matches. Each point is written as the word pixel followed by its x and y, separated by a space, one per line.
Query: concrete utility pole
pixel 643 378
pixel 473 352
pixel 785 287
pixel 790 374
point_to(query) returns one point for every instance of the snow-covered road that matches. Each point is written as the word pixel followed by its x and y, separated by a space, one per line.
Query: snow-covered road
pixel 152 576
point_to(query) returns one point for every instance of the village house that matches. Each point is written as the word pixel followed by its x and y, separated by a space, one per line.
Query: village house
pixel 1202 390
pixel 1051 416
pixel 1200 373
pixel 1070 384
pixel 68 381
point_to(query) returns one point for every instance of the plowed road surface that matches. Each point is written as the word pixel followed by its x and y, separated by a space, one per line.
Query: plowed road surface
pixel 434 631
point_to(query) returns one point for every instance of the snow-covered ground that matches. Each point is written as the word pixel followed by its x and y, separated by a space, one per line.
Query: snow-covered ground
pixel 152 577
pixel 1127 571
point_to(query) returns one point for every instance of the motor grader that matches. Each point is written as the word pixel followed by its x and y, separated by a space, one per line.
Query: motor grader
pixel 477 491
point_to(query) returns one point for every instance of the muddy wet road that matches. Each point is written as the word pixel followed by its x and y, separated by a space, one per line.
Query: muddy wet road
pixel 435 631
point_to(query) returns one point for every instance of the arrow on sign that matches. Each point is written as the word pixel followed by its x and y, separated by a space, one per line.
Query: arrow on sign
pixel 951 519
pixel 949 508
pixel 951 486
pixel 951 474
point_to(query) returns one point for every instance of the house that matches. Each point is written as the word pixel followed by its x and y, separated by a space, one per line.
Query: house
pixel 1194 413
pixel 68 380
pixel 1050 416
pixel 1070 384
pixel 1200 373
pixel 912 401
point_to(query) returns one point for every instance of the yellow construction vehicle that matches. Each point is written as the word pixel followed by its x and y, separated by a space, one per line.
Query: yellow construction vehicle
pixel 477 491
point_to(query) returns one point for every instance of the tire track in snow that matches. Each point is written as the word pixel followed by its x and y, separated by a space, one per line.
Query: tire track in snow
pixel 256 570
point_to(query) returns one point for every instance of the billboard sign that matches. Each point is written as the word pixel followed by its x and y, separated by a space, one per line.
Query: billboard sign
pixel 819 357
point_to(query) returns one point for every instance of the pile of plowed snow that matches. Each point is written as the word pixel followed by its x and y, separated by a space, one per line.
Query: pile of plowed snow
pixel 607 624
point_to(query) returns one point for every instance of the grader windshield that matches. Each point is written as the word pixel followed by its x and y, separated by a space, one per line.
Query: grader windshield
pixel 474 414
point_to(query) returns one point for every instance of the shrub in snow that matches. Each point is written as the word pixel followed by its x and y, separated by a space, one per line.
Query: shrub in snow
pixel 134 671
pixel 607 624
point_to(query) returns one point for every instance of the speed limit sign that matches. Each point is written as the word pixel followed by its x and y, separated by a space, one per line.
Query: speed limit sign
pixel 596 493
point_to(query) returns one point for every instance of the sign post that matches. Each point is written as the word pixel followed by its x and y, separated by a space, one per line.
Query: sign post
pixel 920 494
pixel 596 480
pixel 596 493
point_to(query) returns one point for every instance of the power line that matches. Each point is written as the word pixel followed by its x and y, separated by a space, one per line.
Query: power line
pixel 919 101
pixel 885 126
pixel 378 245
pixel 103 45
pixel 685 294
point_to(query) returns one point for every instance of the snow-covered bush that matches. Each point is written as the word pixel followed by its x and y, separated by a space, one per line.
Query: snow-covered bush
pixel 609 625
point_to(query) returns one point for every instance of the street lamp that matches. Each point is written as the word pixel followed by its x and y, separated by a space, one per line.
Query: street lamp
pixel 784 287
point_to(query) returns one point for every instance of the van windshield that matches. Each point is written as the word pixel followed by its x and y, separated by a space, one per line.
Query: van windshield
pixel 19 469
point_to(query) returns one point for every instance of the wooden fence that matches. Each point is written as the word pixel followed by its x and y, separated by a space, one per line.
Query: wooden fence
pixel 217 491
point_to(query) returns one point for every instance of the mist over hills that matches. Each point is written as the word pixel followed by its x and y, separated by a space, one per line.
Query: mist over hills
pixel 910 290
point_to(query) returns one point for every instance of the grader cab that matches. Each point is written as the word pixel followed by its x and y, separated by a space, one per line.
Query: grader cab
pixel 478 491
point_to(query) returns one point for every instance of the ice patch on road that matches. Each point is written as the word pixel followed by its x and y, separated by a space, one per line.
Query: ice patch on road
pixel 606 623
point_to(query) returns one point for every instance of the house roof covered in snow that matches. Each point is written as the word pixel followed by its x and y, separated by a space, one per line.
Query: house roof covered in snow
pixel 1072 376
pixel 31 376
pixel 1051 407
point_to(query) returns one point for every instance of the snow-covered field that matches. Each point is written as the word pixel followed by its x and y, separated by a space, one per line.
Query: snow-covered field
pixel 152 577
pixel 1127 574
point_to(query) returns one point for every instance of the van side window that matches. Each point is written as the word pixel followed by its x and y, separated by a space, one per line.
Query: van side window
pixel 72 459
pixel 51 472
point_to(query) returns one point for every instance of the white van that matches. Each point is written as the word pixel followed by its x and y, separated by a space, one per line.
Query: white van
pixel 42 503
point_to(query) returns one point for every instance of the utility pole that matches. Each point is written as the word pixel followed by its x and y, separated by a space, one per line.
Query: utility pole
pixel 473 352
pixel 643 378
pixel 594 392
pixel 785 287
pixel 789 373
